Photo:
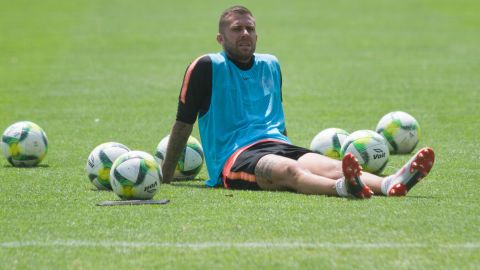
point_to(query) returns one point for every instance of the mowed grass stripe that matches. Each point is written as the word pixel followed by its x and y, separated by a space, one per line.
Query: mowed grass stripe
pixel 243 245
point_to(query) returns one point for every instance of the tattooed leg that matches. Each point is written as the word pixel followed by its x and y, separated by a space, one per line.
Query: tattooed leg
pixel 279 173
pixel 264 169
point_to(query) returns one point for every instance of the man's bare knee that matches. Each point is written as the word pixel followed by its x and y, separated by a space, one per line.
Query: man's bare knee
pixel 321 165
pixel 293 172
pixel 275 172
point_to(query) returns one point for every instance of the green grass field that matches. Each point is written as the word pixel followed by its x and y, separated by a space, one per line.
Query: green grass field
pixel 89 72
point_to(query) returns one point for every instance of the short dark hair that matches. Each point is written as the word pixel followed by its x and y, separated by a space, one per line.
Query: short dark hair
pixel 227 12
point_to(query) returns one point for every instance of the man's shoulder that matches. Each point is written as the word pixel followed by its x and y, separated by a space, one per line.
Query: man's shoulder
pixel 266 57
pixel 207 61
pixel 217 58
pixel 203 59
pixel 200 63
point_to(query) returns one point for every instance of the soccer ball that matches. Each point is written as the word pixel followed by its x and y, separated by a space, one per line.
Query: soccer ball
pixel 24 144
pixel 369 148
pixel 100 162
pixel 191 159
pixel 400 130
pixel 328 142
pixel 135 175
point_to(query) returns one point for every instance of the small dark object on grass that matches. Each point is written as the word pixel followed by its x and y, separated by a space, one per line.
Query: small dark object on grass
pixel 132 202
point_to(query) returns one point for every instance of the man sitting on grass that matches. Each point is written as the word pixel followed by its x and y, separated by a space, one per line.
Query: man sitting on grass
pixel 236 95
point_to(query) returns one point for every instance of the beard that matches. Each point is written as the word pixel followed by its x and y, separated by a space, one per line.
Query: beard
pixel 237 53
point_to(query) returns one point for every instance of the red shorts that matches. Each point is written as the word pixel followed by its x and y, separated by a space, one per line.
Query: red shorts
pixel 239 170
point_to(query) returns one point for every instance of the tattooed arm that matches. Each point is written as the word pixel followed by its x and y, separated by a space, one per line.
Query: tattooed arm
pixel 178 138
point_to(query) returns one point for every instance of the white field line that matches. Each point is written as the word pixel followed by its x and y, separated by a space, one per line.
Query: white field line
pixel 239 245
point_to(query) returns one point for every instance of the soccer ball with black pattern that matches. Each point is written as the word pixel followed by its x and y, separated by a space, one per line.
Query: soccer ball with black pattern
pixel 24 144
pixel 100 162
pixel 400 130
pixel 369 148
pixel 190 161
pixel 135 175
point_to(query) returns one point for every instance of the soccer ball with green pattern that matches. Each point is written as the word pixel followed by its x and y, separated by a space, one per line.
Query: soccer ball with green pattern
pixel 191 158
pixel 328 142
pixel 400 130
pixel 100 162
pixel 369 148
pixel 24 144
pixel 135 175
